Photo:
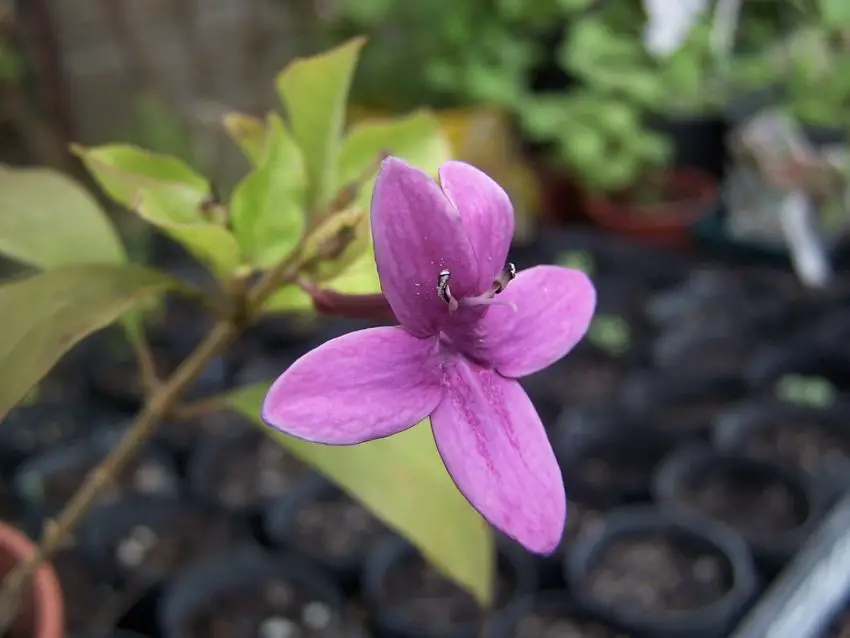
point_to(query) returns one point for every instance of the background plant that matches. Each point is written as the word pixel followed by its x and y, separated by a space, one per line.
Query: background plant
pixel 299 216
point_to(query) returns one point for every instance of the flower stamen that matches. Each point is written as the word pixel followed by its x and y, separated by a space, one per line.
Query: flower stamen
pixel 485 299
pixel 443 290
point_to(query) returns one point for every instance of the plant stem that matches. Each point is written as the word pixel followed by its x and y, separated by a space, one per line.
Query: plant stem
pixel 100 477
pixel 156 408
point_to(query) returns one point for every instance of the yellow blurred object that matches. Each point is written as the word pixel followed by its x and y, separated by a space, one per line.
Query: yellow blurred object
pixel 484 138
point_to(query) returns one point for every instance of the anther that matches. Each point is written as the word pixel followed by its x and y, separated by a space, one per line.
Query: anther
pixel 443 291
pixel 508 274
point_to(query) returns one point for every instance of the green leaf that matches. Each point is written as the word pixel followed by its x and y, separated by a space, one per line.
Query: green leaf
pixel 289 298
pixel 46 314
pixel 417 138
pixel 403 481
pixel 249 133
pixel 267 207
pixel 123 170
pixel 209 243
pixel 314 92
pixel 48 220
pixel 835 13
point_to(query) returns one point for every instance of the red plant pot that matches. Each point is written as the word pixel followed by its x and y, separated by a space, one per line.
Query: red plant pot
pixel 42 613
pixel 687 196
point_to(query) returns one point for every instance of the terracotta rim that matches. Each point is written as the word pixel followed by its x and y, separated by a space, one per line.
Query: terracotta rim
pixel 48 612
pixel 697 191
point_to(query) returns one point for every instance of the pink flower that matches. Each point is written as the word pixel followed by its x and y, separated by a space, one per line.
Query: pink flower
pixel 470 326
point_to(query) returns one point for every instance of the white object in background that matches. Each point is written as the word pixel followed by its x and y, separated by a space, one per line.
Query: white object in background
pixel 808 253
pixel 669 22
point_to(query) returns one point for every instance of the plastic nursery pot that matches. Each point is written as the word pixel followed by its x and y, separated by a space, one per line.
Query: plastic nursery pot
pixel 698 142
pixel 810 597
pixel 147 538
pixel 138 542
pixel 683 405
pixel 249 592
pixel 610 461
pixel 687 196
pixel 46 482
pixel 552 613
pixel 663 574
pixel 719 352
pixel 318 520
pixel 112 375
pixel 812 440
pixel 30 429
pixel 110 633
pixel 91 602
pixel 242 471
pixel 42 609
pixel 801 357
pixel 773 507
pixel 407 598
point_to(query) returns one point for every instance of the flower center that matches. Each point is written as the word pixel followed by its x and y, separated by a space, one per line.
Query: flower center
pixel 486 298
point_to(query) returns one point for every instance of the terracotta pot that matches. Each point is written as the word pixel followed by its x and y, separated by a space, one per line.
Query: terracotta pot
pixel 42 613
pixel 688 196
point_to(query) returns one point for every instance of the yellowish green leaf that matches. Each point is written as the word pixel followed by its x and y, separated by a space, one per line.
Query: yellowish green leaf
pixel 46 314
pixel 49 220
pixel 209 243
pixel 289 298
pixel 122 171
pixel 249 133
pixel 403 481
pixel 417 138
pixel 267 207
pixel 314 92
pixel 338 241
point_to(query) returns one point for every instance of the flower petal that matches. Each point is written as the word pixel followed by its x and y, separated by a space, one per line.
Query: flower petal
pixel 495 448
pixel 487 214
pixel 417 234
pixel 361 386
pixel 554 307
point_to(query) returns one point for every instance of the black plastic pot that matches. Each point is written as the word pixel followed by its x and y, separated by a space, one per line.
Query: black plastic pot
pixel 47 481
pixel 703 600
pixel 682 405
pixel 246 588
pixel 138 542
pixel 432 606
pixel 774 508
pixel 812 440
pixel 90 601
pixel 121 538
pixel 815 587
pixel 112 633
pixel 242 471
pixel 801 357
pixel 111 372
pixel 318 520
pixel 30 429
pixel 609 460
pixel 698 141
pixel 551 613
pixel 720 352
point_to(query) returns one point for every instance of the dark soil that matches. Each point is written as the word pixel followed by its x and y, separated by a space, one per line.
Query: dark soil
pixel 690 415
pixel 549 625
pixel 252 470
pixel 142 475
pixel 806 446
pixel 758 506
pixel 657 575
pixel 87 597
pixel 587 381
pixel 156 552
pixel 272 608
pixel 581 518
pixel 433 604
pixel 336 528
pixel 615 469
